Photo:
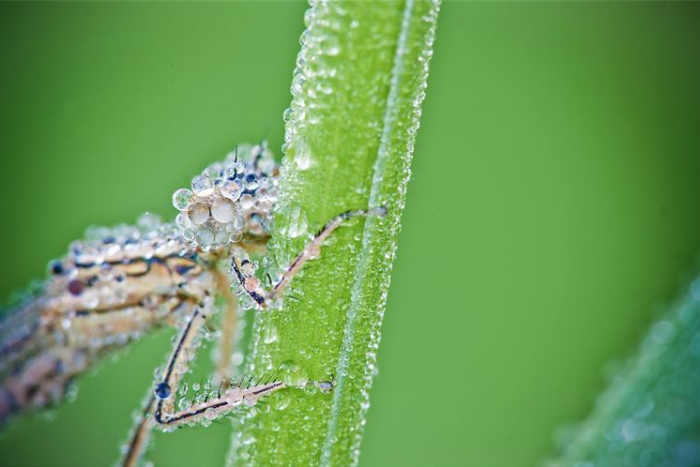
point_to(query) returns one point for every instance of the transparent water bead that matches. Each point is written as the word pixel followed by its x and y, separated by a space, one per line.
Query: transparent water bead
pixel 204 237
pixel 270 333
pixel 282 401
pixel 231 190
pixel 247 201
pixel 222 238
pixel 202 185
pixel 199 214
pixel 181 199
pixel 297 223
pixel 213 172
pixel 223 211
pixel 183 221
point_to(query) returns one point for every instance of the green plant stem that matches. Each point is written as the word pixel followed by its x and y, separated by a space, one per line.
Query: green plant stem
pixel 350 132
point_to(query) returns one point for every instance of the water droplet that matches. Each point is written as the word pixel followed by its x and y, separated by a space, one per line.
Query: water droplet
pixel 250 400
pixel 292 374
pixel 183 221
pixel 222 237
pixel 223 211
pixel 205 237
pixel 330 46
pixel 231 190
pixel 282 400
pixel 202 185
pixel 270 333
pixel 247 201
pixel 212 172
pixel 239 222
pixel 296 223
pixel 181 199
pixel 199 214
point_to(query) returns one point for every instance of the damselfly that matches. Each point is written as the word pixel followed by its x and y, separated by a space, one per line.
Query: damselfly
pixel 120 283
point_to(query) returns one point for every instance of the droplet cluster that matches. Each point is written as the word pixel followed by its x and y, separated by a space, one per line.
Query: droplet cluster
pixel 229 199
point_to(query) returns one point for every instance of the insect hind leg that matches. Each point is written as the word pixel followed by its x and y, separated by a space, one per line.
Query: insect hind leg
pixel 162 396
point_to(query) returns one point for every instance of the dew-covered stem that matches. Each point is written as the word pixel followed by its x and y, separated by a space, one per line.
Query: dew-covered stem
pixel 357 93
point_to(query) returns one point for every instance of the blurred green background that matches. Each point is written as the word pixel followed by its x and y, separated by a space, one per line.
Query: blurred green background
pixel 554 208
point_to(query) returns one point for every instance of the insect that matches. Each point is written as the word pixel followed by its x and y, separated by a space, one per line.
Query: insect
pixel 120 283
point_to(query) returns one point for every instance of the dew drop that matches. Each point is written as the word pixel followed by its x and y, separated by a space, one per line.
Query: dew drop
pixel 297 224
pixel 270 334
pixel 202 185
pixel 231 190
pixel 223 211
pixel 199 214
pixel 247 201
pixel 292 374
pixel 205 237
pixel 239 222
pixel 282 401
pixel 181 199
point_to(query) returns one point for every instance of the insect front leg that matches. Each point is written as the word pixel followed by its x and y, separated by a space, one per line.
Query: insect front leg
pixel 263 298
pixel 229 326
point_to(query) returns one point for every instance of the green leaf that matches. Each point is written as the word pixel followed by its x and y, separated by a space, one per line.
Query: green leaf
pixel 650 414
pixel 357 92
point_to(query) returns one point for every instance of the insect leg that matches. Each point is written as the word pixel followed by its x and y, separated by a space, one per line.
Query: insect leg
pixel 245 393
pixel 139 438
pixel 164 392
pixel 229 324
pixel 212 409
pixel 312 250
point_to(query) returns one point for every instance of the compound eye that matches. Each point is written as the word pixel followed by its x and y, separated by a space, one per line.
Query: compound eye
pixel 56 268
pixel 163 391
